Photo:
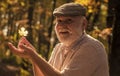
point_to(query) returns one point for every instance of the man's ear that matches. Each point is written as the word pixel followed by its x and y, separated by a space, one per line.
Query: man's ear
pixel 85 22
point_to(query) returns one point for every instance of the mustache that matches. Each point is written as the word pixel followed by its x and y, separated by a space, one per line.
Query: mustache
pixel 64 30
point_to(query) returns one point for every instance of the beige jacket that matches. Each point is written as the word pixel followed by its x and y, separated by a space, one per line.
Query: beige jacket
pixel 85 57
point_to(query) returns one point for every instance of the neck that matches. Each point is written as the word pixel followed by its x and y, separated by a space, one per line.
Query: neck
pixel 70 44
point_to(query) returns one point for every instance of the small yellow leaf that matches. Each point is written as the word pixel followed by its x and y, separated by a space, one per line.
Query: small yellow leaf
pixel 23 31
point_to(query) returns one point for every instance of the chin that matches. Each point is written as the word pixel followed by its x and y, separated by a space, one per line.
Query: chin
pixel 66 42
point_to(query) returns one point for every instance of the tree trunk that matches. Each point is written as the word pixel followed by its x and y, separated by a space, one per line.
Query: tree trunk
pixel 50 30
pixel 30 18
pixel 114 56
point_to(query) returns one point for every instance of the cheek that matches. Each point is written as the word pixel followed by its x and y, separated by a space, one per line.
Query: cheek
pixel 56 28
pixel 77 30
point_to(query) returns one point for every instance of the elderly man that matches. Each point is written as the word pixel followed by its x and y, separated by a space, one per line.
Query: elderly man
pixel 77 54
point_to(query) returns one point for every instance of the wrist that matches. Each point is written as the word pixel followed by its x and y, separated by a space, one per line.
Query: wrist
pixel 33 56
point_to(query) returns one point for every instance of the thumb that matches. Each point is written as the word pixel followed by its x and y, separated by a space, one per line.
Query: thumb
pixel 13 48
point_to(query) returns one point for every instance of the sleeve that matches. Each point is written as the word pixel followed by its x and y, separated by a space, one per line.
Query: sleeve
pixel 83 63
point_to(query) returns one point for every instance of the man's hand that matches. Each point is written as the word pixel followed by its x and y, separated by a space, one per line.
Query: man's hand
pixel 24 41
pixel 24 49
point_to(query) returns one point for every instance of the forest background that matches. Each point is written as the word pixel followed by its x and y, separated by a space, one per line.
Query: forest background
pixel 34 19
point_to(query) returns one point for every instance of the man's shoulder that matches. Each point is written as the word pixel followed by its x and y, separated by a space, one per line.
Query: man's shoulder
pixel 92 45
pixel 89 40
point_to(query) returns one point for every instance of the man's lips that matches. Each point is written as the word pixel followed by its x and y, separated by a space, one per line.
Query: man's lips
pixel 63 31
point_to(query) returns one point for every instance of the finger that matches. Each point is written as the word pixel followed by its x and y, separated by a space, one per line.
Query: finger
pixel 27 50
pixel 11 46
pixel 27 43
pixel 14 49
pixel 20 42
pixel 24 41
pixel 25 47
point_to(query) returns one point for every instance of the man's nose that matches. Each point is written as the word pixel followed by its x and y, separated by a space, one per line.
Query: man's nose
pixel 61 24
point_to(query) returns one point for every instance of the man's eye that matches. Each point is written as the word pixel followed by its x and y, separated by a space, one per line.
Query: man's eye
pixel 59 21
pixel 69 21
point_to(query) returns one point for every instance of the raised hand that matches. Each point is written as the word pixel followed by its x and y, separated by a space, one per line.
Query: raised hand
pixel 24 41
pixel 24 49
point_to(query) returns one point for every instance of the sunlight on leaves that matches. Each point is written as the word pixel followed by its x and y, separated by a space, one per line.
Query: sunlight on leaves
pixel 105 33
pixel 106 1
pixel 101 33
pixel 90 10
pixel 87 3
pixel 12 1
pixel 24 72
pixel 7 53
pixel 22 4
pixel 83 2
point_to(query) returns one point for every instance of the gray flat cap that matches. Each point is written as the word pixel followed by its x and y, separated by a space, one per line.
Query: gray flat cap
pixel 70 9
